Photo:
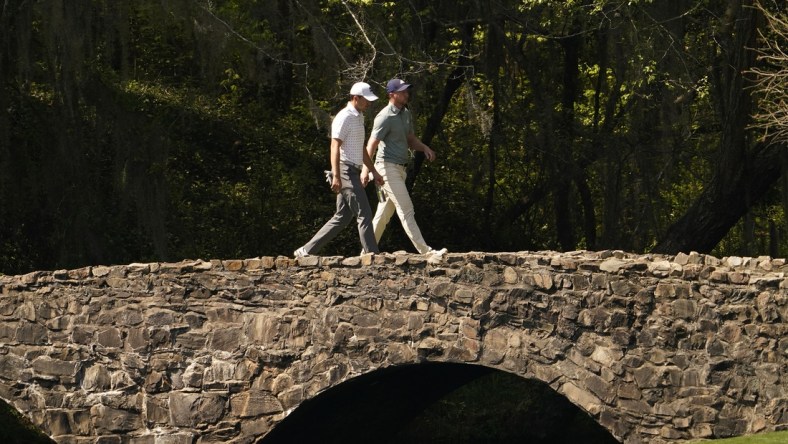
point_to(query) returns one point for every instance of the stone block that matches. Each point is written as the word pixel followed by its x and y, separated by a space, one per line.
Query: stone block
pixel 628 391
pixel 33 334
pixel 579 282
pixel 81 420
pixel 138 339
pixel 664 268
pixel 263 328
pixel 603 390
pixel 12 366
pixel 196 409
pixel 606 356
pixel 219 371
pixel 254 427
pixel 636 406
pixel 647 376
pixel 543 281
pixel 470 328
pixel 583 398
pixel 682 423
pixel 226 339
pixel 510 275
pixel 57 422
pixel 623 287
pixel 253 403
pixel 121 380
pixel 175 438
pixel 138 268
pixel 47 368
pixel 107 420
pixel 156 382
pixel 684 308
pixel 267 262
pixel 728 427
pixel 615 423
pixel 703 414
pixel 233 265
pixel 612 265
pixel 465 350
pixel 157 412
pixel 292 397
pixel 570 312
pixel 220 435
pixel 306 261
pixel 715 347
pixel 702 431
pixel 366 319
pixel 671 433
pixel 430 347
pixel 96 379
pixel 109 338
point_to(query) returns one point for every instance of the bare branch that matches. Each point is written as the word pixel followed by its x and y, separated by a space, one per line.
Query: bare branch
pixel 772 78
pixel 241 37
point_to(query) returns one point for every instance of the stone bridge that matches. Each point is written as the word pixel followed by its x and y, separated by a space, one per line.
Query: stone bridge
pixel 654 348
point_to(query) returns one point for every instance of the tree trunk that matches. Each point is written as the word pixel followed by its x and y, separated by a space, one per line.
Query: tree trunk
pixel 741 176
pixel 720 206
pixel 453 83
pixel 492 159
pixel 565 164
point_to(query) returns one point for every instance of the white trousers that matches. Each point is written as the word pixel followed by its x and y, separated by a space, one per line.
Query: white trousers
pixel 397 199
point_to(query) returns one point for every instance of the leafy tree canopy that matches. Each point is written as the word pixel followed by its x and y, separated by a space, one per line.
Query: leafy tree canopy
pixel 148 130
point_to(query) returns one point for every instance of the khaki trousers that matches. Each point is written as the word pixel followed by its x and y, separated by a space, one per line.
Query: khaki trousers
pixel 397 199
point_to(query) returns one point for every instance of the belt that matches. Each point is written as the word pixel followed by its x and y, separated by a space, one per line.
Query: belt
pixel 351 164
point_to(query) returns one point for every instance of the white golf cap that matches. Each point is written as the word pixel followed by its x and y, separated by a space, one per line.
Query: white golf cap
pixel 363 89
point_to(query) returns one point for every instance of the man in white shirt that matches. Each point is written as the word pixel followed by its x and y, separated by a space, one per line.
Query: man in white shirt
pixel 347 158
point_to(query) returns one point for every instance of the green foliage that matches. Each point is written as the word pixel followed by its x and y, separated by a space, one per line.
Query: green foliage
pixel 763 438
pixel 180 129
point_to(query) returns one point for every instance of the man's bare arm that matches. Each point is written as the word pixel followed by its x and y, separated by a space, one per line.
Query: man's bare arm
pixel 369 154
pixel 336 183
pixel 415 143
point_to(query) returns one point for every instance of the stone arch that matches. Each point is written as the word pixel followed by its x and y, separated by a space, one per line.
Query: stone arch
pixel 380 406
pixel 455 324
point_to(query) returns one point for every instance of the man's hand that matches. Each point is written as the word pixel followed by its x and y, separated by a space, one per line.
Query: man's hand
pixel 364 176
pixel 336 184
pixel 378 179
pixel 428 153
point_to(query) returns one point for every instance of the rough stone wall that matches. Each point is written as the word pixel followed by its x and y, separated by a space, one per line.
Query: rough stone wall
pixel 657 349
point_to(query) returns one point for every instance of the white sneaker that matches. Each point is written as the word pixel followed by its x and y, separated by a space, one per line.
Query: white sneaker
pixel 435 252
pixel 300 253
pixel 435 257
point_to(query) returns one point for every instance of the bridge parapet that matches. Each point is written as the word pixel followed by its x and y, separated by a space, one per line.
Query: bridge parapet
pixel 655 348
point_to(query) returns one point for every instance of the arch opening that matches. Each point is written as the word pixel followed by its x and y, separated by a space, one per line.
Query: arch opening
pixel 439 403
pixel 15 428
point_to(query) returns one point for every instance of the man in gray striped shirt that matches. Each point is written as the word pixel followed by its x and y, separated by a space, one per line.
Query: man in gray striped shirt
pixel 347 157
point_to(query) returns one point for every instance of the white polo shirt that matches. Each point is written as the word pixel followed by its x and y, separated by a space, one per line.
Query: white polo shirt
pixel 348 126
